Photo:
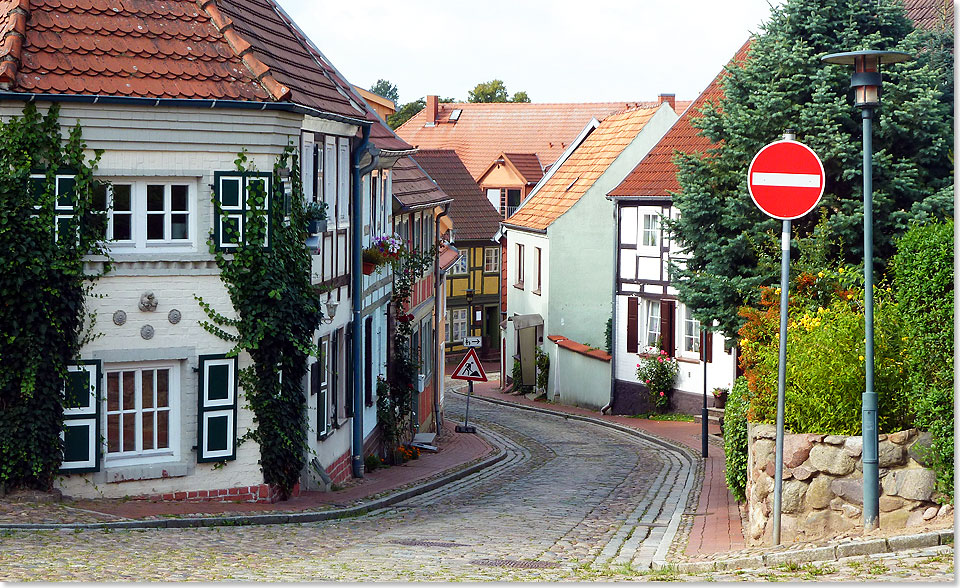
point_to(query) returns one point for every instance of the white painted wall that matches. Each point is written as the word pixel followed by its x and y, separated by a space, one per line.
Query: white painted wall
pixel 524 301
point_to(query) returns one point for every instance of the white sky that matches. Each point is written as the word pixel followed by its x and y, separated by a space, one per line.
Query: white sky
pixel 556 50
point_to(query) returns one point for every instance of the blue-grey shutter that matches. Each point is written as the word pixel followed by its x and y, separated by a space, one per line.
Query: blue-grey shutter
pixel 217 409
pixel 81 418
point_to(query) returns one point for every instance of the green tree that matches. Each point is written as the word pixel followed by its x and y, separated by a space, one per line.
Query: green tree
pixel 495 91
pixel 733 247
pixel 405 112
pixel 386 89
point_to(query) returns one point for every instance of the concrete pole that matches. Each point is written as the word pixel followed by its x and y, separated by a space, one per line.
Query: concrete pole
pixel 871 472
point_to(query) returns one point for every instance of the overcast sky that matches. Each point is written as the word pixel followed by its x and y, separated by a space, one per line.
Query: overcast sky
pixel 556 50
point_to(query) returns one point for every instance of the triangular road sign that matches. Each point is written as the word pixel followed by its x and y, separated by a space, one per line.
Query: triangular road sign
pixel 470 368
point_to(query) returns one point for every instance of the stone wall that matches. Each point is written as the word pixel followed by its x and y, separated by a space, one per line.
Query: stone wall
pixel 823 484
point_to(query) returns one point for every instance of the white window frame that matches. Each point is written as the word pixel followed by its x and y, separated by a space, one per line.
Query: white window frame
pixel 650 229
pixel 139 455
pixel 650 329
pixel 343 182
pixel 518 282
pixel 138 205
pixel 491 259
pixel 460 267
pixel 689 333
pixel 458 324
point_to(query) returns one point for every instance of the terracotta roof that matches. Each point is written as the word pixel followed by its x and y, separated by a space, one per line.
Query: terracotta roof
pixel 656 174
pixel 527 165
pixel 485 130
pixel 412 187
pixel 581 169
pixel 474 217
pixel 580 348
pixel 930 14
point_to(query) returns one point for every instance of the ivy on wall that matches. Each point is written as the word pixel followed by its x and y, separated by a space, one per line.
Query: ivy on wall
pixel 278 309
pixel 43 287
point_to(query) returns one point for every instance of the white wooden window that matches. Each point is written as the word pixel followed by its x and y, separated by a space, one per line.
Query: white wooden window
pixel 651 230
pixel 691 332
pixel 651 323
pixel 117 200
pixel 343 182
pixel 460 267
pixel 328 177
pixel 143 214
pixel 538 261
pixel 491 259
pixel 519 281
pixel 457 319
pixel 142 411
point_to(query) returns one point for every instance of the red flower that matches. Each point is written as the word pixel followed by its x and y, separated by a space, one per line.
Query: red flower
pixel 661 394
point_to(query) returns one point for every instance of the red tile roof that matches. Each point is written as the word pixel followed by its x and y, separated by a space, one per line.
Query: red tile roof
pixel 527 165
pixel 930 14
pixel 581 169
pixel 656 174
pixel 413 187
pixel 474 217
pixel 486 130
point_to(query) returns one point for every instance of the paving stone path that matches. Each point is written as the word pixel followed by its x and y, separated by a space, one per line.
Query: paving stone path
pixel 571 500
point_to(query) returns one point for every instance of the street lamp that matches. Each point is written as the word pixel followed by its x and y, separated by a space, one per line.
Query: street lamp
pixel 866 81
pixel 469 293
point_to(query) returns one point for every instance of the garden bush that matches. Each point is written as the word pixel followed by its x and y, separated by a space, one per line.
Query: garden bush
pixel 735 439
pixel 658 372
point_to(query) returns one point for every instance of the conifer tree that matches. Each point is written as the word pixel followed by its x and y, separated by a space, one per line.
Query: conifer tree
pixel 733 247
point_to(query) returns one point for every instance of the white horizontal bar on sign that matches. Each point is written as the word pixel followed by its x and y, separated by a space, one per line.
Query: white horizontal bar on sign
pixel 786 180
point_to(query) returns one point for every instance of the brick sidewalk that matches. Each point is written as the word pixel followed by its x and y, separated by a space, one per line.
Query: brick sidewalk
pixel 717 526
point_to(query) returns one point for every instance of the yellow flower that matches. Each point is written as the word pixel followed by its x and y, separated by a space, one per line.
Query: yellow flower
pixel 840 270
pixel 849 296
pixel 819 274
pixel 903 338
pixel 861 358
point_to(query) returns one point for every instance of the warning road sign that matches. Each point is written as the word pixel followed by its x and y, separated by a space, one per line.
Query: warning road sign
pixel 470 368
pixel 786 179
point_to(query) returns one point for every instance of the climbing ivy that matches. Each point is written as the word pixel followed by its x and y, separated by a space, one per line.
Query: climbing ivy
pixel 278 310
pixel 43 318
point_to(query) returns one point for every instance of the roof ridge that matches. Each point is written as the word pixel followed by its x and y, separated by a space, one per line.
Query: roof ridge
pixel 12 42
pixel 243 50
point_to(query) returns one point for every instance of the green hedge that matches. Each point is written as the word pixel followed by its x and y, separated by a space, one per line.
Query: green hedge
pixel 923 284
pixel 735 439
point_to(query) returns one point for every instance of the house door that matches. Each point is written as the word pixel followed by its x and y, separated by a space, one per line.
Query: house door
pixel 491 330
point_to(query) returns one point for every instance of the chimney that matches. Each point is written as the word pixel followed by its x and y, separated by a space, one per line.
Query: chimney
pixel 431 111
pixel 670 99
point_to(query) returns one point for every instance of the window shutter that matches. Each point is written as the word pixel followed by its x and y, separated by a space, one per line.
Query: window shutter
pixel 217 409
pixel 232 193
pixel 320 384
pixel 66 222
pixel 368 363
pixel 348 404
pixel 334 386
pixel 667 311
pixel 708 347
pixel 81 418
pixel 633 320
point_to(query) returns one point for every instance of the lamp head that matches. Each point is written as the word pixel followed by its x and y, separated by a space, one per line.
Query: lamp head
pixel 866 78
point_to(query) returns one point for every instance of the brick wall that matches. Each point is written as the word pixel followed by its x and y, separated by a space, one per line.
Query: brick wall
pixel 261 493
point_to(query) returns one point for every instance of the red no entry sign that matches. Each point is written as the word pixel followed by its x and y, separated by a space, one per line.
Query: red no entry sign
pixel 786 179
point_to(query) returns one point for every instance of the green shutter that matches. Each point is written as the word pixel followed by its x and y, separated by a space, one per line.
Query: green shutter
pixel 81 418
pixel 320 384
pixel 237 193
pixel 217 408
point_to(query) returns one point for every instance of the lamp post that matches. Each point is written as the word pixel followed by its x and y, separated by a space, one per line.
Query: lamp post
pixel 866 81
pixel 469 293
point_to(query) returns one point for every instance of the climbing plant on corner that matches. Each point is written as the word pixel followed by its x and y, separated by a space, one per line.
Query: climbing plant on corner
pixel 268 279
pixel 47 226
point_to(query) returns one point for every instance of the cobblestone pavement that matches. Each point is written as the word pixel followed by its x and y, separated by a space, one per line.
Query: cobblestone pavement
pixel 572 501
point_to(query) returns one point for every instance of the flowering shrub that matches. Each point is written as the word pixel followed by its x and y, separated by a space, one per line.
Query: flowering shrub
pixel 658 373
pixel 389 247
pixel 409 452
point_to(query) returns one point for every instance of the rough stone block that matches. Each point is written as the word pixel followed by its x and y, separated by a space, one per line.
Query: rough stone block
pixel 859 548
pixel 850 490
pixel 741 563
pixel 919 450
pixel 850 511
pixel 890 454
pixel 913 541
pixel 915 518
pixel 792 499
pixel 763 431
pixel 890 503
pixel 916 484
pixel 946 537
pixel 816 524
pixel 853 446
pixel 818 493
pixel 831 459
pixel 945 510
pixel 894 520
pixel 834 439
pixel 930 513
pixel 800 556
pixel 901 437
pixel 802 473
pixel 796 449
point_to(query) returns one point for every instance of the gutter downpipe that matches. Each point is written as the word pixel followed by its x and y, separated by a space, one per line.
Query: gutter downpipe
pixel 356 238
pixel 613 315
pixel 438 367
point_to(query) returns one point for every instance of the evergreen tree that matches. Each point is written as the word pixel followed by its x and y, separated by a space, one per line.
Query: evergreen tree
pixel 386 89
pixel 733 247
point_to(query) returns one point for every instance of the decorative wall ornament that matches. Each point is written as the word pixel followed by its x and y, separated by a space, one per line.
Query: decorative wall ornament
pixel 173 316
pixel 146 331
pixel 119 317
pixel 148 302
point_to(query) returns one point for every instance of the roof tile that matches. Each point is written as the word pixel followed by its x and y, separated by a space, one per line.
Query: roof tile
pixel 413 187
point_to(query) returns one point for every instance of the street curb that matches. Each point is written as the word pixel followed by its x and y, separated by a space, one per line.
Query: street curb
pixel 275 518
pixel 814 554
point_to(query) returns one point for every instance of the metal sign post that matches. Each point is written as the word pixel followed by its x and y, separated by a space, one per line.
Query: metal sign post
pixel 471 370
pixel 786 181
pixel 466 428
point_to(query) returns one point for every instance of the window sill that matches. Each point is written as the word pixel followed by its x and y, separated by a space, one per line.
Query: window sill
pixel 518 286
pixel 688 359
pixel 133 473
pixel 537 291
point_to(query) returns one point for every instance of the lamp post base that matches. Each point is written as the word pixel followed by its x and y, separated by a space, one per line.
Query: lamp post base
pixel 466 429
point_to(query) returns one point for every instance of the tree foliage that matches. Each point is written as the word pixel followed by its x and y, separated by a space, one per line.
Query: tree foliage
pixel 495 91
pixel 405 112
pixel 385 89
pixel 43 320
pixel 277 311
pixel 733 247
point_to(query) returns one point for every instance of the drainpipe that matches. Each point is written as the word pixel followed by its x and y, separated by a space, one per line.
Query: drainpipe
pixel 438 365
pixel 356 238
pixel 613 314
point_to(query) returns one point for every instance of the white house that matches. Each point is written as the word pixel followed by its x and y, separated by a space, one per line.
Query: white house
pixel 559 246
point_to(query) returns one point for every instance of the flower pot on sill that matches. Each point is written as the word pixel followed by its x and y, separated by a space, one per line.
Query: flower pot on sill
pixel 315 227
pixel 368 268
pixel 719 401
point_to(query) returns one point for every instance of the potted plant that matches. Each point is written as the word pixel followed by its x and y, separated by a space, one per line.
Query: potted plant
pixel 372 258
pixel 316 215
pixel 390 247
pixel 720 397
pixel 658 372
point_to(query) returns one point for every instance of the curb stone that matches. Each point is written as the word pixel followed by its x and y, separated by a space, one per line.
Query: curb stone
pixel 276 519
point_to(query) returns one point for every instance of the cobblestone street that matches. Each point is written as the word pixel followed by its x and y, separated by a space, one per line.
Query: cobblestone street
pixel 572 501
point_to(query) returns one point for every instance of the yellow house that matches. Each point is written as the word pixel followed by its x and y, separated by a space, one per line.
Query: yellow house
pixel 473 282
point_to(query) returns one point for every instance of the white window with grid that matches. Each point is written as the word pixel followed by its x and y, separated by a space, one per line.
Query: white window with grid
pixel 142 412
pixel 651 323
pixel 460 267
pixel 691 333
pixel 142 215
pixel 458 324
pixel 650 230
pixel 491 259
